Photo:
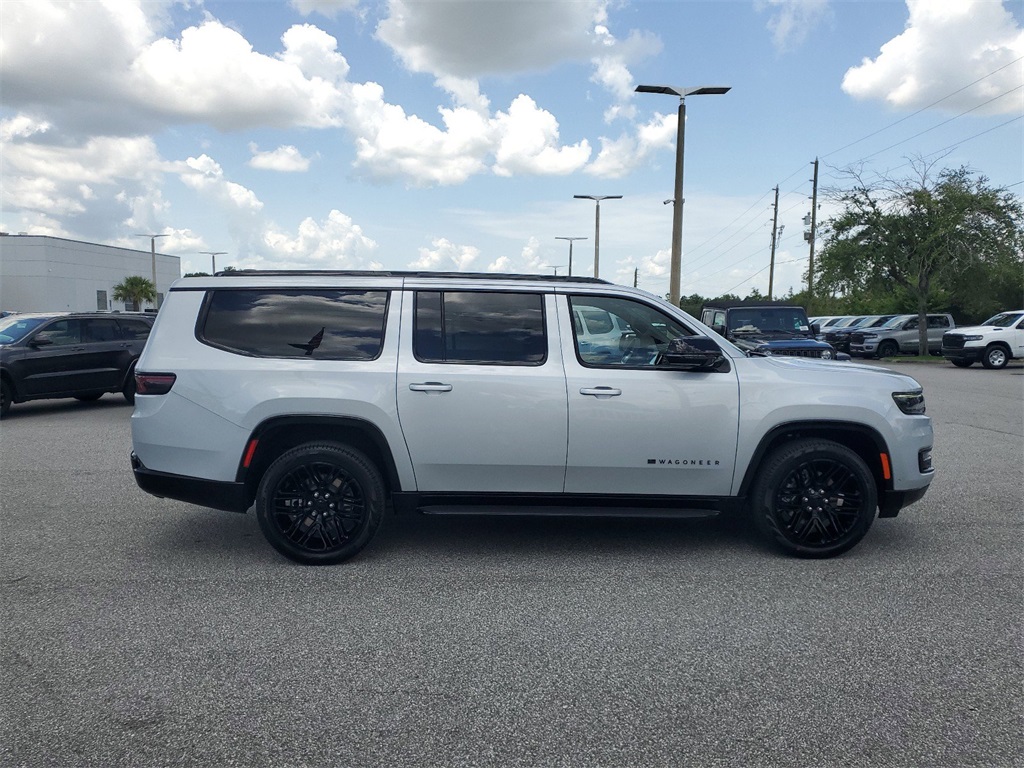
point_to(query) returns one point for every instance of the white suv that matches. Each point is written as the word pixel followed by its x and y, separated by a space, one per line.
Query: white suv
pixel 321 398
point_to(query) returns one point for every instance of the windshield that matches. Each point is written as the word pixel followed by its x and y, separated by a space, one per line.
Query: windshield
pixel 898 320
pixel 1004 319
pixel 771 319
pixel 15 328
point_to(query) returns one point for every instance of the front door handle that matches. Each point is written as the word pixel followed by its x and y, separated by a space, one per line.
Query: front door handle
pixel 431 386
pixel 601 391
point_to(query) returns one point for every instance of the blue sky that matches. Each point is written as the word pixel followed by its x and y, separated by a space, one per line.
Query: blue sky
pixel 453 134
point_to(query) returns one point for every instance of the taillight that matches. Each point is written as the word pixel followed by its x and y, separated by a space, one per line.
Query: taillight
pixel 153 383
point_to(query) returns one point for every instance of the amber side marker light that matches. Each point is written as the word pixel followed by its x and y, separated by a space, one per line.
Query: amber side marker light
pixel 886 471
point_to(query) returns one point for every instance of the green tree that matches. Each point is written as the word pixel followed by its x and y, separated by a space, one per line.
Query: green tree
pixel 134 290
pixel 910 244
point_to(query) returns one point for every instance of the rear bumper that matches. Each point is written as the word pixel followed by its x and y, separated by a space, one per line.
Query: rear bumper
pixel 232 497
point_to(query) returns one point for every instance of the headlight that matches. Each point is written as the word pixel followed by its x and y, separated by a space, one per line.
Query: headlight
pixel 910 402
pixel 975 337
pixel 870 335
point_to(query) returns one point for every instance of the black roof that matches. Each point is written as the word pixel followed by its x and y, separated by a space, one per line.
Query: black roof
pixel 400 273
pixel 749 303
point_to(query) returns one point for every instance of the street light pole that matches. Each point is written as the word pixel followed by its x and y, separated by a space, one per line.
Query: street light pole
pixel 213 256
pixel 152 250
pixel 597 225
pixel 675 267
pixel 570 239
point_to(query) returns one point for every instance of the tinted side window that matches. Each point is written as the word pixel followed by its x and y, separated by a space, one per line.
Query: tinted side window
pixel 133 329
pixel 479 327
pixel 63 332
pixel 938 322
pixel 326 325
pixel 100 330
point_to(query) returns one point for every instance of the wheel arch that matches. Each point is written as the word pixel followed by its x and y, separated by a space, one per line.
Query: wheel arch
pixel 282 433
pixel 863 440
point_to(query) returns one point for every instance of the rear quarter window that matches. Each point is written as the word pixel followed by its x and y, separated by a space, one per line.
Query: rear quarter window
pixel 323 325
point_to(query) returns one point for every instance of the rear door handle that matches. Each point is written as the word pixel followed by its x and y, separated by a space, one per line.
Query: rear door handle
pixel 601 391
pixel 431 386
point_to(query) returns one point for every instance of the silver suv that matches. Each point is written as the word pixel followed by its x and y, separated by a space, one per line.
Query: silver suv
pixel 900 336
pixel 324 398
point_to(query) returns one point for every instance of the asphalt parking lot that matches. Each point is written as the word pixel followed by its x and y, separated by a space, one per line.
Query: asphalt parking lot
pixel 143 632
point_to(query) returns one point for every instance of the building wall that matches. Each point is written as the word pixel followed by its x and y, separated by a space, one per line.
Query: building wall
pixel 39 273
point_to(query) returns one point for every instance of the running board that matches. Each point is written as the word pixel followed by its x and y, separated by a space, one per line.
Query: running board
pixel 564 511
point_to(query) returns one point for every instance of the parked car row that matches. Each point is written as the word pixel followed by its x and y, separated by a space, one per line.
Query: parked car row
pixel 993 343
pixel 69 354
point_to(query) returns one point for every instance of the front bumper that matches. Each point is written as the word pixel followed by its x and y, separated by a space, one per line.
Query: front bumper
pixel 232 497
pixel 891 502
pixel 966 354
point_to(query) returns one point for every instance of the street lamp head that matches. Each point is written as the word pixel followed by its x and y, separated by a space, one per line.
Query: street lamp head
pixel 682 93
pixel 598 198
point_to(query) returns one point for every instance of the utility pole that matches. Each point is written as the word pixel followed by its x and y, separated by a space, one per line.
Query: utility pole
pixel 636 277
pixel 775 228
pixel 810 235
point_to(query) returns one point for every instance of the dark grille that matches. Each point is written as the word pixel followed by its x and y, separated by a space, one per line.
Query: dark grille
pixel 857 338
pixel 953 341
pixel 798 352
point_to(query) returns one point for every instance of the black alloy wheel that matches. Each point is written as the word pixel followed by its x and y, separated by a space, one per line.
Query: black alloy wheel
pixel 888 349
pixel 814 498
pixel 6 396
pixel 320 504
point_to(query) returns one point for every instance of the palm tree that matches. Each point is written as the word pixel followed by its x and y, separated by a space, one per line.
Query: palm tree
pixel 134 290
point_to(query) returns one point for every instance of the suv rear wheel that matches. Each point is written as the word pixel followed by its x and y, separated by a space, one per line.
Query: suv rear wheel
pixel 814 498
pixel 6 396
pixel 320 503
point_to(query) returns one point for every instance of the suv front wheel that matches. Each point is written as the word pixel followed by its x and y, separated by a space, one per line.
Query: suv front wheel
pixel 320 503
pixel 814 498
pixel 995 356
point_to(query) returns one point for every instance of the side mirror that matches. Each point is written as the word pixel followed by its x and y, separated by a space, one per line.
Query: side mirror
pixel 719 329
pixel 42 340
pixel 693 353
pixel 815 328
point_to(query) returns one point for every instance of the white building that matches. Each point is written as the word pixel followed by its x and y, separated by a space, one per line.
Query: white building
pixel 39 273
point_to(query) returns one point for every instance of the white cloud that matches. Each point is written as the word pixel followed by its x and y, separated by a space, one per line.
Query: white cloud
pixel 446 255
pixel 620 156
pixel 528 143
pixel 793 20
pixel 205 175
pixel 286 159
pixel 334 243
pixel 946 46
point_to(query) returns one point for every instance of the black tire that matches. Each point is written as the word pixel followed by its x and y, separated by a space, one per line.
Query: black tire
pixel 814 498
pixel 888 349
pixel 962 363
pixel 320 503
pixel 6 397
pixel 128 390
pixel 995 356
pixel 90 397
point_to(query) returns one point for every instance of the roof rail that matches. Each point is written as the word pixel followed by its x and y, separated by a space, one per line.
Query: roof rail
pixel 401 273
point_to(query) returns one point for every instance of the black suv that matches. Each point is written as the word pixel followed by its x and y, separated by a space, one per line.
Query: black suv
pixel 67 354
pixel 767 329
